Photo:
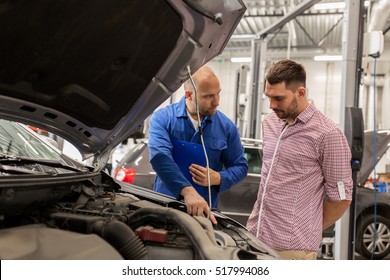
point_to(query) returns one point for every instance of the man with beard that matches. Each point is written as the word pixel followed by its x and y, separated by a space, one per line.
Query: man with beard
pixel 177 125
pixel 306 177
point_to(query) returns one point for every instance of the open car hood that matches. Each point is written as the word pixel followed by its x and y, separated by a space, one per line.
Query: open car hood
pixel 382 138
pixel 92 71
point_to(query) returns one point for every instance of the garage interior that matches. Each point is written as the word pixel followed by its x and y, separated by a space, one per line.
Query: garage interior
pixel 331 40
pixel 345 48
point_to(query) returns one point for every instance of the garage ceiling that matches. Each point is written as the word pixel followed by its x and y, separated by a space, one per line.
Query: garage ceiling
pixel 315 31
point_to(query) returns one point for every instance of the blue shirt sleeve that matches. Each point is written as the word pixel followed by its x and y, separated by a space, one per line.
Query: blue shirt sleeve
pixel 236 166
pixel 160 152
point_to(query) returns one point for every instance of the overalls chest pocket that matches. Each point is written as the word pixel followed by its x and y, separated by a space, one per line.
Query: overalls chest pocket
pixel 215 148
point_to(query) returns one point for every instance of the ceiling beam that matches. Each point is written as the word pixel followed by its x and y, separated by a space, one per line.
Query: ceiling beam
pixel 298 10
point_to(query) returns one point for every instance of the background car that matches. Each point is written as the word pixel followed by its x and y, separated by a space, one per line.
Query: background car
pixel 372 208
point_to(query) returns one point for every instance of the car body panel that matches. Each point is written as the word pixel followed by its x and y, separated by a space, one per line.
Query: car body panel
pixel 238 201
pixel 92 73
pixel 382 139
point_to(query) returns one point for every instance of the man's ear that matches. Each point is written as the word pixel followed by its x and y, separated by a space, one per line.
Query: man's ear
pixel 188 94
pixel 302 91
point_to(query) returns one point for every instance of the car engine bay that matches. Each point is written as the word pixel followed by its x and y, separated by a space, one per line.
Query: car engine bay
pixel 89 217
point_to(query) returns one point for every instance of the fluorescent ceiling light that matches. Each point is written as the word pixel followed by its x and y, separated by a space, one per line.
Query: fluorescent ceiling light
pixel 242 36
pixel 241 59
pixel 328 57
pixel 334 5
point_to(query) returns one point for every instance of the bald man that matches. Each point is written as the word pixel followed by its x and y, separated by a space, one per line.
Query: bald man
pixel 180 122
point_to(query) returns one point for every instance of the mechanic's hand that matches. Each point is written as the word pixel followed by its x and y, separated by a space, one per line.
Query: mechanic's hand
pixel 199 175
pixel 196 205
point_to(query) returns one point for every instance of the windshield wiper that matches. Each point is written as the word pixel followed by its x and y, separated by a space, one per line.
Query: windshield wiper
pixel 47 162
pixel 19 170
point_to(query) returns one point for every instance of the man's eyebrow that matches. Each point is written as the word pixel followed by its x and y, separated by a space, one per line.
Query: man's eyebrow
pixel 211 93
pixel 276 96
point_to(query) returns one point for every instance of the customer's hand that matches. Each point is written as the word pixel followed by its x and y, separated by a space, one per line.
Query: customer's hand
pixel 199 175
pixel 196 205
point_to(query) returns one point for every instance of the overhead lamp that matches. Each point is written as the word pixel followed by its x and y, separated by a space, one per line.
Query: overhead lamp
pixel 334 5
pixel 328 58
pixel 241 59
pixel 242 37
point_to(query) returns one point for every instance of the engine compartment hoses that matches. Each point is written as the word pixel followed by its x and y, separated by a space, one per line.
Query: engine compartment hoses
pixel 185 222
pixel 122 238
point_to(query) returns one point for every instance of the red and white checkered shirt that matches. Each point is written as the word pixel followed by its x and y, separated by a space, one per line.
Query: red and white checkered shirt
pixel 302 163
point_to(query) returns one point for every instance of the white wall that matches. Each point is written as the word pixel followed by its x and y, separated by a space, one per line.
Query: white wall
pixel 324 81
pixel 324 88
pixel 323 84
pixel 382 69
pixel 226 73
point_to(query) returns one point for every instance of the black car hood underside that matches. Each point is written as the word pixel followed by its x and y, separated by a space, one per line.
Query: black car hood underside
pixel 92 71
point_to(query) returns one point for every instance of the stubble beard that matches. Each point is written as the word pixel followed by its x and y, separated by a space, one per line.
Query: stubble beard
pixel 283 114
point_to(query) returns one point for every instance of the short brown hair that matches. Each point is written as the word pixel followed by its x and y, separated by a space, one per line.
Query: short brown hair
pixel 287 71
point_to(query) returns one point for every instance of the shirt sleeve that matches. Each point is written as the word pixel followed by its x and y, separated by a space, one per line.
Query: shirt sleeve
pixel 336 166
pixel 236 166
pixel 160 152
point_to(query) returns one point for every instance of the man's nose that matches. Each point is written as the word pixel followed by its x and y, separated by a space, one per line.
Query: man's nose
pixel 215 101
pixel 272 105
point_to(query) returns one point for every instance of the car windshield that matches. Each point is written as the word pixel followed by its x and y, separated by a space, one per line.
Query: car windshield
pixel 17 141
